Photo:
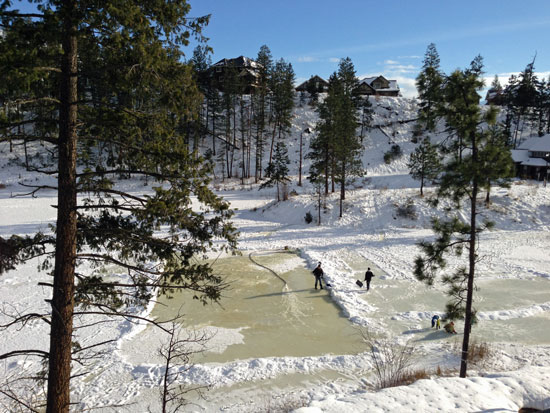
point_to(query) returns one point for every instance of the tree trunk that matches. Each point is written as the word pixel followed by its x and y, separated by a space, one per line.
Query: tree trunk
pixel 65 250
pixel 342 188
pixel 300 165
pixel 471 271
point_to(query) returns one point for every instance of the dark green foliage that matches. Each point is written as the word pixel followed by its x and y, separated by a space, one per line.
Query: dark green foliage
pixel 336 149
pixel 475 158
pixel 308 218
pixel 260 105
pixel 424 163
pixel 429 84
pixel 394 153
pixel 282 91
pixel 104 84
pixel 407 210
pixel 277 170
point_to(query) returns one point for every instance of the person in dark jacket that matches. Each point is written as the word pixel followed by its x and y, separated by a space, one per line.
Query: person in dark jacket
pixel 368 277
pixel 318 272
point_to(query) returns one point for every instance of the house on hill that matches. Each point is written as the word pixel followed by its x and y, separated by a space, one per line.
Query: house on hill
pixel 532 158
pixel 494 97
pixel 378 86
pixel 245 70
pixel 314 84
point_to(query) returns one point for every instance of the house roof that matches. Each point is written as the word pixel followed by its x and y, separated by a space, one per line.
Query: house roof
pixel 312 78
pixel 520 155
pixel 536 144
pixel 535 162
pixel 392 83
pixel 241 61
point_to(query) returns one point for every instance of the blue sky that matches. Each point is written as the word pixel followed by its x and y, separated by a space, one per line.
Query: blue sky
pixel 387 37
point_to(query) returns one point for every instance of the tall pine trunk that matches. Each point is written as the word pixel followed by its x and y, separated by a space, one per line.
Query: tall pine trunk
pixel 471 270
pixel 58 399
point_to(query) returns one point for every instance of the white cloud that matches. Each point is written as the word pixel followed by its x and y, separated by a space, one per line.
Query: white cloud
pixel 334 59
pixel 400 69
pixel 307 59
pixel 407 86
pixel 391 62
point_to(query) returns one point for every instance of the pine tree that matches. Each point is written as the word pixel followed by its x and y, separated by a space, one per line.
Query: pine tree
pixel 261 113
pixel 429 83
pixel 322 144
pixel 521 96
pixel 347 144
pixel 277 170
pixel 336 150
pixel 463 176
pixel 102 88
pixel 424 163
pixel 282 91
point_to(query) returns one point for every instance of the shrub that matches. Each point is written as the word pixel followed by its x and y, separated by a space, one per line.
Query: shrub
pixel 478 351
pixel 406 210
pixel 391 361
pixel 308 218
pixel 394 153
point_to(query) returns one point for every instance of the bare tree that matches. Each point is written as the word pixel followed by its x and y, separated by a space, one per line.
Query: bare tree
pixel 177 353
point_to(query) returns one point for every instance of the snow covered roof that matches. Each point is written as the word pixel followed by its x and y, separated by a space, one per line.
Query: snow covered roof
pixel 241 61
pixel 520 155
pixel 369 80
pixel 535 162
pixel 536 144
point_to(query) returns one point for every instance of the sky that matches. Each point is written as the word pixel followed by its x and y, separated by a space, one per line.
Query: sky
pixel 386 37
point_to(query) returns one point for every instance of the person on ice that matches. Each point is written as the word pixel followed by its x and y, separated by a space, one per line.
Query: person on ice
pixel 450 328
pixel 436 322
pixel 368 277
pixel 318 272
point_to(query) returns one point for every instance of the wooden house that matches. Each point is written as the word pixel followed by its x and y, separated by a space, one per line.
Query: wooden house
pixel 532 158
pixel 314 84
pixel 378 86
pixel 241 70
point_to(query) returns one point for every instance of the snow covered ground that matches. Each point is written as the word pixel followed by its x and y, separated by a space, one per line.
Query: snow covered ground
pixel 516 373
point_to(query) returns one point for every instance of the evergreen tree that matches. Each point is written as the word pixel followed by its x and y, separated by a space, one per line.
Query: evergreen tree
pixel 102 88
pixel 367 115
pixel 347 144
pixel 462 178
pixel 429 84
pixel 322 144
pixel 277 171
pixel 261 112
pixel 336 150
pixel 424 163
pixel 282 92
pixel 521 98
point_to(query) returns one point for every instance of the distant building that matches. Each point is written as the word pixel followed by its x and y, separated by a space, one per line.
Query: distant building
pixel 378 86
pixel 494 97
pixel 315 83
pixel 532 158
pixel 246 72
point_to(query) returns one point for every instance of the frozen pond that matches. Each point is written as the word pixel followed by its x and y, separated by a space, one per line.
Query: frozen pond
pixel 267 315
pixel 509 310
